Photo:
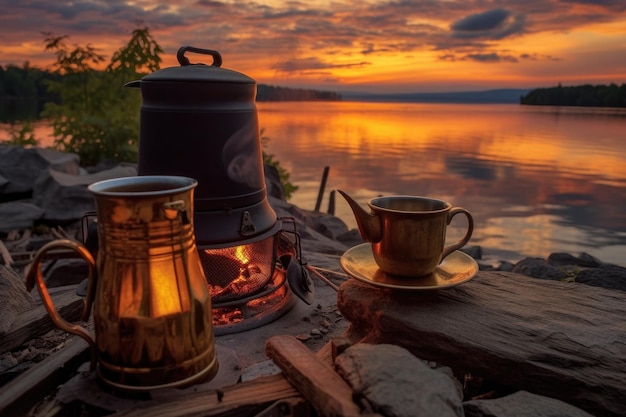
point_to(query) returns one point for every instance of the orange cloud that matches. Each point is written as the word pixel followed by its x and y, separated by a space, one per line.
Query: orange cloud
pixel 421 46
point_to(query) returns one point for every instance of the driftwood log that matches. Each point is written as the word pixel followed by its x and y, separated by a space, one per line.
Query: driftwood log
pixel 563 340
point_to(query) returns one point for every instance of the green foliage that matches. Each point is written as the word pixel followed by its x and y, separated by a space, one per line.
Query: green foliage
pixel 92 114
pixel 583 95
pixel 570 275
pixel 269 159
pixel 97 118
pixel 22 137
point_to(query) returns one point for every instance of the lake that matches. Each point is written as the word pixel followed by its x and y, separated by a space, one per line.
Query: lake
pixel 537 179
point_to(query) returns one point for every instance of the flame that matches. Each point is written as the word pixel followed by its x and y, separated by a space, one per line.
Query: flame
pixel 242 253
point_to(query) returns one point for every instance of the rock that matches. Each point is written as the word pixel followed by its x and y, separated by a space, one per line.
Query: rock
pixel 395 383
pixel 609 276
pixel 66 272
pixel 65 197
pixel 16 215
pixel 311 239
pixel 21 167
pixel 506 266
pixel 330 226
pixel 475 251
pixel 522 404
pixel 274 187
pixel 585 269
pixel 351 238
pixel 562 259
pixel 539 268
pixel 14 298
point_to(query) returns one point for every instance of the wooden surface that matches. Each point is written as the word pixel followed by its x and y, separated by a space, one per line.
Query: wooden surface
pixel 562 340
pixel 36 322
pixel 23 392
pixel 320 384
pixel 236 400
pixel 240 399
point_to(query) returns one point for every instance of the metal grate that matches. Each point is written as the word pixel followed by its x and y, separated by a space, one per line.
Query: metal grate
pixel 238 272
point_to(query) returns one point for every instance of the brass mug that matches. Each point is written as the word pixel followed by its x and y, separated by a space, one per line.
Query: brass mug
pixel 151 302
pixel 408 233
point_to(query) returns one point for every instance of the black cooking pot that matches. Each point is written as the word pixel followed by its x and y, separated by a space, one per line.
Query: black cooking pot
pixel 200 121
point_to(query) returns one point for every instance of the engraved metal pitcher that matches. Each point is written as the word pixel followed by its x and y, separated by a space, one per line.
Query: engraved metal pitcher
pixel 151 303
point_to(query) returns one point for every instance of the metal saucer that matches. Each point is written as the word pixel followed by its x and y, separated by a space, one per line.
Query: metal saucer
pixel 457 268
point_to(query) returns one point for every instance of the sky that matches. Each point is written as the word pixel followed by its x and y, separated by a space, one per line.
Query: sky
pixel 395 46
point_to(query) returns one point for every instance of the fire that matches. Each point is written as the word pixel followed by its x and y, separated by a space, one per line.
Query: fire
pixel 242 253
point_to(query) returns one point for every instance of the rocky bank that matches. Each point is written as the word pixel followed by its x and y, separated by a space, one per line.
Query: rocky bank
pixel 43 196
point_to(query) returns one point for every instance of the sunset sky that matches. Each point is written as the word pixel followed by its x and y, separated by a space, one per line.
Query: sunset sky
pixel 349 45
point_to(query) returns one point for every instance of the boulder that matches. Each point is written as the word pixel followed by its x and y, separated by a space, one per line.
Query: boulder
pixel 540 268
pixel 395 383
pixel 20 167
pixel 65 198
pixel 522 404
pixel 15 215
pixel 606 276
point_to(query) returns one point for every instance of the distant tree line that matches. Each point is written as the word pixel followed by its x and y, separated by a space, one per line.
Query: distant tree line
pixel 24 92
pixel 271 93
pixel 583 95
pixel 26 82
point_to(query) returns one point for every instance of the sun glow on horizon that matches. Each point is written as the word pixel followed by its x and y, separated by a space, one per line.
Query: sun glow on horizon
pixel 332 45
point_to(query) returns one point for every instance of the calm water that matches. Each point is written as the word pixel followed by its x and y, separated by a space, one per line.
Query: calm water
pixel 537 179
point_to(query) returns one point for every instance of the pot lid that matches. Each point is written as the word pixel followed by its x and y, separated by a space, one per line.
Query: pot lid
pixel 198 72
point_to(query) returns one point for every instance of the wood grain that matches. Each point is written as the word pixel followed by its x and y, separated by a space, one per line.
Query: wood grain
pixel 321 385
pixel 36 322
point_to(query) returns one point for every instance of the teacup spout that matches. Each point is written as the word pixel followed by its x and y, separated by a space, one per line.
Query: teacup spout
pixel 369 224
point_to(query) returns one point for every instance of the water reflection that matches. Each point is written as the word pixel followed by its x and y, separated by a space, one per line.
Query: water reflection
pixel 538 179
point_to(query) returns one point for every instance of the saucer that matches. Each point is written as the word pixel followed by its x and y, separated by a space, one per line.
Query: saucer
pixel 455 269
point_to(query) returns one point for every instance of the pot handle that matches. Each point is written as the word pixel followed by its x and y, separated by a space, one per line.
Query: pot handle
pixel 183 60
pixel 35 277
pixel 468 234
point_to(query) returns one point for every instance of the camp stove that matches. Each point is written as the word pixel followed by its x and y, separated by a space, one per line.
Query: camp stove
pixel 200 121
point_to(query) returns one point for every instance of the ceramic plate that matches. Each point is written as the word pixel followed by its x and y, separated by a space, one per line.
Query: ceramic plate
pixel 457 268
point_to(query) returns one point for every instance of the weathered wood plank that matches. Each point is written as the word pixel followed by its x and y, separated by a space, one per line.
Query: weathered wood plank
pixel 28 388
pixel 239 399
pixel 320 384
pixel 36 322
pixel 562 340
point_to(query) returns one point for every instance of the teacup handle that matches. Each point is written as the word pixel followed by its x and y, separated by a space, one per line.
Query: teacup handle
pixel 34 276
pixel 470 229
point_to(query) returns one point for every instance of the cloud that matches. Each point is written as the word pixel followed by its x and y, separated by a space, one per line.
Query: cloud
pixel 491 57
pixel 313 64
pixel 295 37
pixel 486 57
pixel 491 24
pixel 539 57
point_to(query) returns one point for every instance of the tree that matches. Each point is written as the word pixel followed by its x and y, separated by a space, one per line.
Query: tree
pixel 97 118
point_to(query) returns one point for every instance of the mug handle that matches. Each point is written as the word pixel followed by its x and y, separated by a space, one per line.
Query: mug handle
pixel 35 277
pixel 470 229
